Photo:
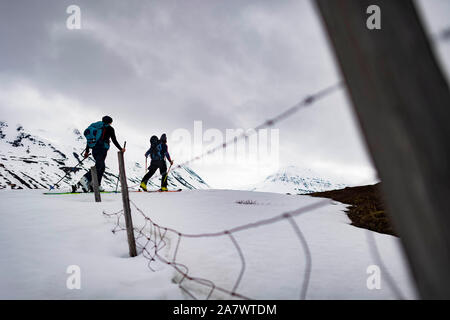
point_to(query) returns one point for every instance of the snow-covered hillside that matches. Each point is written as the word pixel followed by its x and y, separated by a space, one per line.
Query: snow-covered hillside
pixel 28 161
pixel 41 235
pixel 295 180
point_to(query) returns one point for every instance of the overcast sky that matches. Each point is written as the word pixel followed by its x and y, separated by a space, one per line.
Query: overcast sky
pixel 158 66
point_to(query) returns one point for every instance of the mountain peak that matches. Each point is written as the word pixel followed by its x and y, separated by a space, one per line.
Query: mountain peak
pixel 28 161
pixel 293 179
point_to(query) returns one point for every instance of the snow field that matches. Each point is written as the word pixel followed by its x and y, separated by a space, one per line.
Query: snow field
pixel 42 235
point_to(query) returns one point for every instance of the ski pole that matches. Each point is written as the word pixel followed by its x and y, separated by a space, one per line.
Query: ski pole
pixel 79 162
pixel 167 173
pixel 117 184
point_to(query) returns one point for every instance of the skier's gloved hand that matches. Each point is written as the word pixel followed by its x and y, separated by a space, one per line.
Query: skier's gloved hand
pixel 123 150
pixel 86 154
pixel 171 162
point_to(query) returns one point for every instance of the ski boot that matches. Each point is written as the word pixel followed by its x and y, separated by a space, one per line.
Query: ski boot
pixel 143 186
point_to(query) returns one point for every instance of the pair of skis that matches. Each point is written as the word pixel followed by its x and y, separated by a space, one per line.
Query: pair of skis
pixel 140 190
pixel 59 193
pixel 149 191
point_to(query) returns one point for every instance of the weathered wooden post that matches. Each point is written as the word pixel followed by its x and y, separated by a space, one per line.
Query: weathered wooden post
pixel 402 101
pixel 126 206
pixel 95 184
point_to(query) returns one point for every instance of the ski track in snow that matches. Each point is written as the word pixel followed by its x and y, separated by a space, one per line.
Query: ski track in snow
pixel 42 235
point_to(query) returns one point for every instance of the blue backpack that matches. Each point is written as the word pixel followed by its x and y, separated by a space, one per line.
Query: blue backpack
pixel 156 149
pixel 94 133
pixel 157 153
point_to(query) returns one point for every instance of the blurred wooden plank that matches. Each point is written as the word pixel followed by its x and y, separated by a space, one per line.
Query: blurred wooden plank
pixel 402 101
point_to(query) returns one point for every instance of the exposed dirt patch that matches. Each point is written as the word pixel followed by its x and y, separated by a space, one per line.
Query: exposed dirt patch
pixel 367 208
pixel 246 202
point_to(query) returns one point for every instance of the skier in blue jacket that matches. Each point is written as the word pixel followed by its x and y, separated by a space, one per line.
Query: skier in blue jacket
pixel 99 152
pixel 158 152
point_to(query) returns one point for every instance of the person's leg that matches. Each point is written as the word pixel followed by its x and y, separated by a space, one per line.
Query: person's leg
pixel 163 171
pixel 100 157
pixel 99 164
pixel 151 171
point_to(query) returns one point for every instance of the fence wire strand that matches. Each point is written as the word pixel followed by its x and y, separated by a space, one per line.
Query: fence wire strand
pixel 157 236
pixel 308 100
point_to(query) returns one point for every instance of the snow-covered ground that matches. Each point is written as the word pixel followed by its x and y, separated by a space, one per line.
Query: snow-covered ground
pixel 41 235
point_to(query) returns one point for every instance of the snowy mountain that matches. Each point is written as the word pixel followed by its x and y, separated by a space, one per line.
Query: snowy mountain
pixel 28 161
pixel 294 180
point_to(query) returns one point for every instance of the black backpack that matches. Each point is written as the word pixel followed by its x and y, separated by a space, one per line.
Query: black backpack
pixel 155 148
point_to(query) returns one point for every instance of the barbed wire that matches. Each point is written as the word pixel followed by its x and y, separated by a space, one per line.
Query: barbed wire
pixel 305 102
pixel 155 238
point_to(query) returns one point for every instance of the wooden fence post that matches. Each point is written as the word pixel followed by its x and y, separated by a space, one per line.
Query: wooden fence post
pixel 402 101
pixel 95 184
pixel 126 206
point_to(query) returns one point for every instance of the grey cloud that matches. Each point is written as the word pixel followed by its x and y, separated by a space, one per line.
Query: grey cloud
pixel 160 65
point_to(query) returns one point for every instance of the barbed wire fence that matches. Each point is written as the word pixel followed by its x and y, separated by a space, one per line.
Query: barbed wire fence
pixel 151 238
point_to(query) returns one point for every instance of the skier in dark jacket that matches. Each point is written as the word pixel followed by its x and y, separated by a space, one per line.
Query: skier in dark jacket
pixel 158 152
pixel 99 152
